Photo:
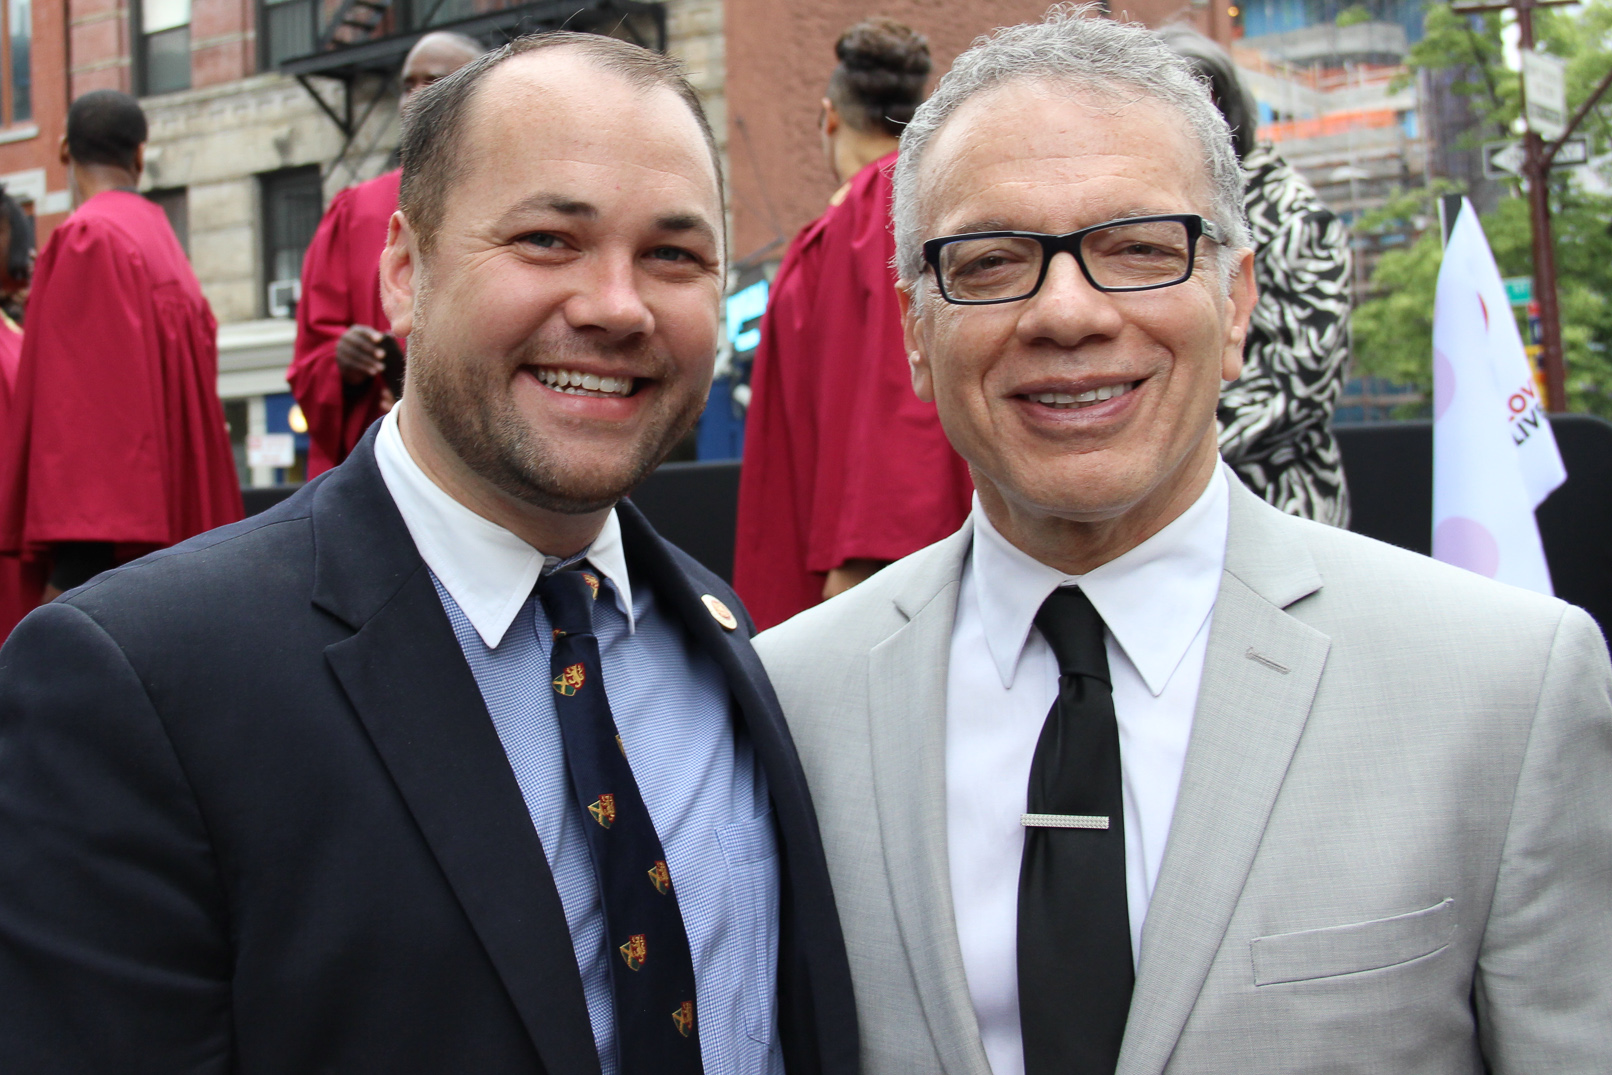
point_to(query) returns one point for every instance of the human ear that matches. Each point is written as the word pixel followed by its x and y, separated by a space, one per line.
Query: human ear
pixel 1241 295
pixel 830 119
pixel 923 381
pixel 399 261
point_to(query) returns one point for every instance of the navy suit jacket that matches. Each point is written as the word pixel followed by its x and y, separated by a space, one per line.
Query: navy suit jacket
pixel 254 817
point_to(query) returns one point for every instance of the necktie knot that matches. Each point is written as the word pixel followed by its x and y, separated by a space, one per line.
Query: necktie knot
pixel 568 597
pixel 1073 628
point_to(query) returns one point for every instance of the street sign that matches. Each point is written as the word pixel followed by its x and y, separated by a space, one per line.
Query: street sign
pixel 1544 81
pixel 1519 290
pixel 1574 151
pixel 1505 160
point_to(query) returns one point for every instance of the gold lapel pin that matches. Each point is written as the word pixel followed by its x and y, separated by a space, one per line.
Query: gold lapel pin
pixel 719 612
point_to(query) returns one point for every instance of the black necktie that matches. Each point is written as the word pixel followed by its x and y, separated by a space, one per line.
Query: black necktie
pixel 1075 972
pixel 652 972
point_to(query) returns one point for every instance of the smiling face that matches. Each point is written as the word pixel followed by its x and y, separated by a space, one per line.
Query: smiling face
pixel 1075 404
pixel 563 326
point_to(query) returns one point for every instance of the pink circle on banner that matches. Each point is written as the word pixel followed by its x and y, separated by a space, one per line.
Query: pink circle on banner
pixel 1467 543
pixel 1443 384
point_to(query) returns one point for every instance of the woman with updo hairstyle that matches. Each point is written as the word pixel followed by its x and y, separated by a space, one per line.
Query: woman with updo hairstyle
pixel 845 469
pixel 872 94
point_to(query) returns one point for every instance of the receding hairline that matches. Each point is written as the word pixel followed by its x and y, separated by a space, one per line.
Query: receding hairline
pixel 1098 98
pixel 474 113
pixel 435 126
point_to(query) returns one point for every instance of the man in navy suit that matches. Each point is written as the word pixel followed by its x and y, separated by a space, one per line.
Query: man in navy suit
pixel 340 788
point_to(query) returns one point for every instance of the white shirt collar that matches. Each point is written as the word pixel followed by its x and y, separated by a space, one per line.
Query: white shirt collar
pixel 487 570
pixel 1153 599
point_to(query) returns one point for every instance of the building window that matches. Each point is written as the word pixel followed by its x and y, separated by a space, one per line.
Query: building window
pixel 20 36
pixel 164 45
pixel 288 31
pixel 292 201
pixel 175 203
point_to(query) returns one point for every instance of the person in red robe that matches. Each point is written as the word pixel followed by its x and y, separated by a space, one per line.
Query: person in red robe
pixel 342 332
pixel 21 582
pixel 845 469
pixel 115 444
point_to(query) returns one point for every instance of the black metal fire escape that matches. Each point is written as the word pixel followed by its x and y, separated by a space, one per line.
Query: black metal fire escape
pixel 364 41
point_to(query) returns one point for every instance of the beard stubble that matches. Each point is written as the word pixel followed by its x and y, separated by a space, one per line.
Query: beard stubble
pixel 473 408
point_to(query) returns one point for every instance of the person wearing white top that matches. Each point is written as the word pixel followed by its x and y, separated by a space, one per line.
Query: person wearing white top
pixel 1340 808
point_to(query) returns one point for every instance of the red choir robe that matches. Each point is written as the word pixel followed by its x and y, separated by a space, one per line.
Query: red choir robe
pixel 21 582
pixel 341 287
pixel 115 432
pixel 841 460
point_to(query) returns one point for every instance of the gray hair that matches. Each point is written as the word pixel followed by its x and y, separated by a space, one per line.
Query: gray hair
pixel 1095 55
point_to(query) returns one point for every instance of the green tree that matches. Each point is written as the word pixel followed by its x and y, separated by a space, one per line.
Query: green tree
pixel 1393 331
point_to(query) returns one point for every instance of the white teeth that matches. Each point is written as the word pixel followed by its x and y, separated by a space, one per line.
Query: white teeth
pixel 575 383
pixel 1086 398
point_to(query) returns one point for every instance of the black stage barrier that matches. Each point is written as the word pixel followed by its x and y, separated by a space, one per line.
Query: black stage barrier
pixel 1389 467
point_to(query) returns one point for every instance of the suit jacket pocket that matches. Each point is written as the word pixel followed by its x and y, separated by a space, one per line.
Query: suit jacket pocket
pixel 1359 946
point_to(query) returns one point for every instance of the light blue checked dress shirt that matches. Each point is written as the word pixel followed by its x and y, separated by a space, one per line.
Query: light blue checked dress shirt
pixel 705 791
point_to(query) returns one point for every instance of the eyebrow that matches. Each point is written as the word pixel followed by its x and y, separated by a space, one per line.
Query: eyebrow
pixel 982 225
pixel 554 203
pixel 1000 225
pixel 566 205
pixel 686 222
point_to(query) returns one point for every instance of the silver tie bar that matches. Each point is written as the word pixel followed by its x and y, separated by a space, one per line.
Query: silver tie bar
pixel 1063 821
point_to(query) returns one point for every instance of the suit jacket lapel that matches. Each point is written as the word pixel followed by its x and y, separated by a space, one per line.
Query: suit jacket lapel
pixel 907 706
pixel 408 680
pixel 810 929
pixel 1259 680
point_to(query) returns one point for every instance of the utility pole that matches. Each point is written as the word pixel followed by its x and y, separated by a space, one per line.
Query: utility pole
pixel 1538 157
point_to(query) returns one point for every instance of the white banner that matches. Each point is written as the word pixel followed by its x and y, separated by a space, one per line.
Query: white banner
pixel 1494 455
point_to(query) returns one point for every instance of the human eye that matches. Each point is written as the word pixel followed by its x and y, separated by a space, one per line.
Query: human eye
pixel 983 259
pixel 543 240
pixel 993 267
pixel 675 262
pixel 1138 254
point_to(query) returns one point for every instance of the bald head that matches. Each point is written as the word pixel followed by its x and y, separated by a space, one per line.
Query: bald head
pixel 438 122
pixel 436 56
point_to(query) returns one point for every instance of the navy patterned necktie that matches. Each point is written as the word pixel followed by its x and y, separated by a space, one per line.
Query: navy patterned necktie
pixel 1074 941
pixel 651 970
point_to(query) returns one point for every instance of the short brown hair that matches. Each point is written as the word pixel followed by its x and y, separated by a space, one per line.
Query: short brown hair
pixel 436 118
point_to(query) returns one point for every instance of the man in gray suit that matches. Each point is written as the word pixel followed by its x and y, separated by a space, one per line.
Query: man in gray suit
pixel 1135 773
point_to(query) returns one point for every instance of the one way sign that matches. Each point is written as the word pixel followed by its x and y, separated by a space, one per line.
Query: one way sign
pixel 1505 160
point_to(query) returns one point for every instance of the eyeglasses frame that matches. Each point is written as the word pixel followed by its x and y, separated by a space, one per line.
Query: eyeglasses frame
pixel 1069 243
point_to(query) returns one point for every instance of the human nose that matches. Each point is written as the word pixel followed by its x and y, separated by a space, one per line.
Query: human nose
pixel 1068 309
pixel 609 301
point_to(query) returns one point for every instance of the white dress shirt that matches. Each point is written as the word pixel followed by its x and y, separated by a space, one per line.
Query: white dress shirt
pixel 489 571
pixel 694 764
pixel 1002 679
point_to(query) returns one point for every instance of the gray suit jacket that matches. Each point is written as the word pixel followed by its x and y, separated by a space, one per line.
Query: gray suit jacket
pixel 1392 849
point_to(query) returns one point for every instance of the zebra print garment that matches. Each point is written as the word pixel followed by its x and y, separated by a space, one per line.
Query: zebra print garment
pixel 1276 419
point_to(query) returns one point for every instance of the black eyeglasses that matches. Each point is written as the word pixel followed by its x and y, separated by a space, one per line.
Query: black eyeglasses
pixel 1139 254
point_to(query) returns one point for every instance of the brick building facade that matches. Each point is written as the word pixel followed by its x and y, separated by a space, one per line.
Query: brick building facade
pixel 261 110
